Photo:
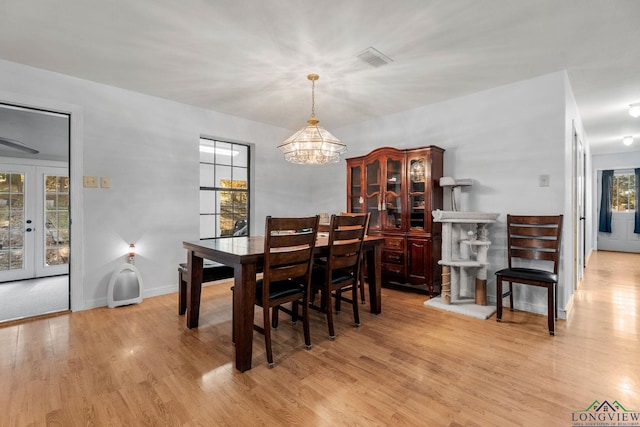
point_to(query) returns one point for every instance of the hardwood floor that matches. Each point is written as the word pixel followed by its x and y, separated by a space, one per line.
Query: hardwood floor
pixel 412 365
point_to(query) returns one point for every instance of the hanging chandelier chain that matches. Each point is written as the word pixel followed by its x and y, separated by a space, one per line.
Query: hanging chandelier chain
pixel 313 98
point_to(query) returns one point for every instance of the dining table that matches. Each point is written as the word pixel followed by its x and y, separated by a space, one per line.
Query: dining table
pixel 245 255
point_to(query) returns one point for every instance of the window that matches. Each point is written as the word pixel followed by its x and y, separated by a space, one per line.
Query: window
pixel 224 189
pixel 623 198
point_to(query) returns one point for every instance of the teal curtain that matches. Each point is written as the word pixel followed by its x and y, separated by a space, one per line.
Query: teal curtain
pixel 604 224
pixel 636 228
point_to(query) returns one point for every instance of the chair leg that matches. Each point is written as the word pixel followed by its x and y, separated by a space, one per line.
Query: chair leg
pixel 551 310
pixel 182 294
pixel 267 335
pixel 555 304
pixel 511 295
pixel 354 296
pixel 499 299
pixel 305 321
pixel 326 293
pixel 294 312
pixel 361 286
pixel 274 317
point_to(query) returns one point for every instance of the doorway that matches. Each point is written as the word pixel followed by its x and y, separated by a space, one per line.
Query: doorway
pixel 34 221
pixel 579 209
pixel 34 211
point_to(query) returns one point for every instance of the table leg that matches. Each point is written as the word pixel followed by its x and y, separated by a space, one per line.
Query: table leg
pixel 194 288
pixel 374 272
pixel 244 295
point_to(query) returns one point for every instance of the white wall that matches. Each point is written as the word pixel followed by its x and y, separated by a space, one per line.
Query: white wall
pixel 504 139
pixel 622 237
pixel 149 148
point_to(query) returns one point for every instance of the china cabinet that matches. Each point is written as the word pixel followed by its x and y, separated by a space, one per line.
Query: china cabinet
pixel 400 188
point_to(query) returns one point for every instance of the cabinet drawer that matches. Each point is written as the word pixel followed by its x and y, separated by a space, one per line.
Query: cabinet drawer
pixel 396 243
pixel 392 269
pixel 393 257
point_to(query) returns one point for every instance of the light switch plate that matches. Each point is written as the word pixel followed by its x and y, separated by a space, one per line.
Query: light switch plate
pixel 105 182
pixel 90 181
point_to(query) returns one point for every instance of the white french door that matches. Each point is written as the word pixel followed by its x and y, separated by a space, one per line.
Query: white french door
pixel 34 221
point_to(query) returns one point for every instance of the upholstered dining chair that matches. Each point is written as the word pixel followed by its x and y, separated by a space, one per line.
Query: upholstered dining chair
pixel 342 266
pixel 288 257
pixel 532 239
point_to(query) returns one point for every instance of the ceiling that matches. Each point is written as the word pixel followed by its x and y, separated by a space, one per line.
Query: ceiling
pixel 46 132
pixel 250 58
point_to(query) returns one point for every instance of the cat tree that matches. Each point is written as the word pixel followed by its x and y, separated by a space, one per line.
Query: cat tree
pixel 465 244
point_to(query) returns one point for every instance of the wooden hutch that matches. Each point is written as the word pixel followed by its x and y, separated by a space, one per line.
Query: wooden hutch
pixel 400 189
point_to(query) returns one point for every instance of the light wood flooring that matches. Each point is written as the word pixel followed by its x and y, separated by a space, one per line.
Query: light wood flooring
pixel 410 366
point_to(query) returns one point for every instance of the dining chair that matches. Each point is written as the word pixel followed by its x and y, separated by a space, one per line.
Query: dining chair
pixel 342 266
pixel 532 239
pixel 360 282
pixel 288 257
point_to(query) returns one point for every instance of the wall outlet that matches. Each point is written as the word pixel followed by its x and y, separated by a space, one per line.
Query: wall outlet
pixel 543 180
pixel 90 181
pixel 105 182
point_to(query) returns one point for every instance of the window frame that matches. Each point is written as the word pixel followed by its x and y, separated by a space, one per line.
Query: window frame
pixel 231 166
pixel 615 198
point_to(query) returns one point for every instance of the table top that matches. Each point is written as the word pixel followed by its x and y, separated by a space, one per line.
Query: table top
pixel 242 250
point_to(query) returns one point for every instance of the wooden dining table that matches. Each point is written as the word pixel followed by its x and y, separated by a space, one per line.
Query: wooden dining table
pixel 245 255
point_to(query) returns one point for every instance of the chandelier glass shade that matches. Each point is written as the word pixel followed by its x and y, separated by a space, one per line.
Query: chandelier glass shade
pixel 313 144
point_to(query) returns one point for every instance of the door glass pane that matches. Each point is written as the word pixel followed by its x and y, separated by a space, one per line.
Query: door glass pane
pixel 56 207
pixel 393 212
pixel 372 207
pixel 394 175
pixel 355 182
pixel 373 173
pixel 417 175
pixel 417 180
pixel 417 212
pixel 356 200
pixel 11 221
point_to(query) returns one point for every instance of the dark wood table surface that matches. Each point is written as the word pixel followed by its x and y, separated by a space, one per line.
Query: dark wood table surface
pixel 245 254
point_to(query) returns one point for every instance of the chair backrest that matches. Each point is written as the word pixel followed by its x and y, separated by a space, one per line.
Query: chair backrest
pixel 368 215
pixel 346 236
pixel 288 248
pixel 534 238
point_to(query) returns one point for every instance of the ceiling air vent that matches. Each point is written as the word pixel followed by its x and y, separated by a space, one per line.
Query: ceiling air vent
pixel 374 57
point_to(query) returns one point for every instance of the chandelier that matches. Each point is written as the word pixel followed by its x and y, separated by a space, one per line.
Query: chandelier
pixel 313 144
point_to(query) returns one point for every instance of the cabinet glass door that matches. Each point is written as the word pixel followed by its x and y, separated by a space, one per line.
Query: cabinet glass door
pixel 393 195
pixel 372 193
pixel 417 181
pixel 355 182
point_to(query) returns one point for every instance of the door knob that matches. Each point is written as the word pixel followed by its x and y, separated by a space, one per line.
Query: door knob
pixel 29 229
